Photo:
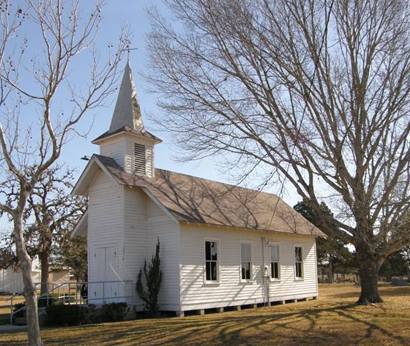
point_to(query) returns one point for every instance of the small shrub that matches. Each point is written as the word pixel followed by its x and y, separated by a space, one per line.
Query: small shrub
pixel 46 300
pixel 113 312
pixel 93 314
pixel 66 315
pixel 149 282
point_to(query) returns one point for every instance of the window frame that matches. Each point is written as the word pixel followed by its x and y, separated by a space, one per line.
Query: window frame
pixel 298 278
pixel 251 271
pixel 271 245
pixel 218 260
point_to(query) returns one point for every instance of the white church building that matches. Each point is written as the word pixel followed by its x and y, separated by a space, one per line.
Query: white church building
pixel 221 245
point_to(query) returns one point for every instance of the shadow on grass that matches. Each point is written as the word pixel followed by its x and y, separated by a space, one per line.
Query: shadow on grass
pixel 321 322
pixel 385 291
pixel 312 334
pixel 302 326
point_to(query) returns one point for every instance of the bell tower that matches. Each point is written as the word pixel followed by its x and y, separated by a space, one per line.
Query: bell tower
pixel 127 141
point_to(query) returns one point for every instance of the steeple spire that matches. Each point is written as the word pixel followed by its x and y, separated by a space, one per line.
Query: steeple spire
pixel 127 112
pixel 127 141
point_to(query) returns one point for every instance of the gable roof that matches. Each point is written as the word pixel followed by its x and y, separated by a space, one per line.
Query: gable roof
pixel 194 200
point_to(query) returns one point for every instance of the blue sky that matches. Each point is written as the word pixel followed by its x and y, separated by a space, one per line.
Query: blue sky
pixel 133 15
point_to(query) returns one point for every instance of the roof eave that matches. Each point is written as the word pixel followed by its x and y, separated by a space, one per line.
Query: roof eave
pixel 81 186
pixel 108 136
pixel 186 222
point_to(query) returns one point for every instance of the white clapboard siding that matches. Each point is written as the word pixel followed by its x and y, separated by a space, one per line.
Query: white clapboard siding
pixel 127 222
pixel 116 149
pixel 134 205
pixel 161 226
pixel 135 235
pixel 230 291
pixel 122 150
pixel 105 222
pixel 144 223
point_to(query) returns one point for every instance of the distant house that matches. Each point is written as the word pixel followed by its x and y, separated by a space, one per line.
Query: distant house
pixel 59 276
pixel 11 279
pixel 221 245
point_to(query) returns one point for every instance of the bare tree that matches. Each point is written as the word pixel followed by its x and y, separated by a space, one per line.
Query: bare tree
pixel 51 213
pixel 315 91
pixel 55 212
pixel 42 44
pixel 72 252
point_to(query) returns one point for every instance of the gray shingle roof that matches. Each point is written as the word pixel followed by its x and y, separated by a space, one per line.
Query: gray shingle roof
pixel 200 201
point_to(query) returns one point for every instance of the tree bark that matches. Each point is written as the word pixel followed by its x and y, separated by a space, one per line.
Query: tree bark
pixel 368 274
pixel 330 271
pixel 44 273
pixel 33 327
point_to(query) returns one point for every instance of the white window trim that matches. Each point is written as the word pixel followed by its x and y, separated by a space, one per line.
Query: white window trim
pixel 252 279
pixel 296 278
pixel 271 244
pixel 218 261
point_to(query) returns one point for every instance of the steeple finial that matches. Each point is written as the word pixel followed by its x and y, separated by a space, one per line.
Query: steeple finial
pixel 127 111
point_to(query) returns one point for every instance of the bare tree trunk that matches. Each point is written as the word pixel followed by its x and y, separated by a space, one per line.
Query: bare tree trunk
pixel 330 272
pixel 33 327
pixel 368 274
pixel 44 273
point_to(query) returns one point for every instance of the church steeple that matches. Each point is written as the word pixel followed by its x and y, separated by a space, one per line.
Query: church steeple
pixel 127 111
pixel 127 141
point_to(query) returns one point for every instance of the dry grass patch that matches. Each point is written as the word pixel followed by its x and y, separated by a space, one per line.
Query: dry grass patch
pixel 5 303
pixel 333 319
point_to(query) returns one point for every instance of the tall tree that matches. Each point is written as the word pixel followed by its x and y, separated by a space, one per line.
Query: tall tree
pixel 72 253
pixel 8 257
pixel 42 44
pixel 314 92
pixel 55 212
pixel 395 265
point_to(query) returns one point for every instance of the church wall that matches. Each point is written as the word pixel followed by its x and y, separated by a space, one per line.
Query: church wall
pixel 115 148
pixel 161 226
pixel 135 230
pixel 144 224
pixel 105 239
pixel 230 290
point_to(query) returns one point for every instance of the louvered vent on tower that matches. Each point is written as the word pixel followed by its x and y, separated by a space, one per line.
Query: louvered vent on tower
pixel 140 160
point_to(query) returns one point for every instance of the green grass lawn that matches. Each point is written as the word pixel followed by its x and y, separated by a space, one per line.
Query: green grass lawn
pixel 333 319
